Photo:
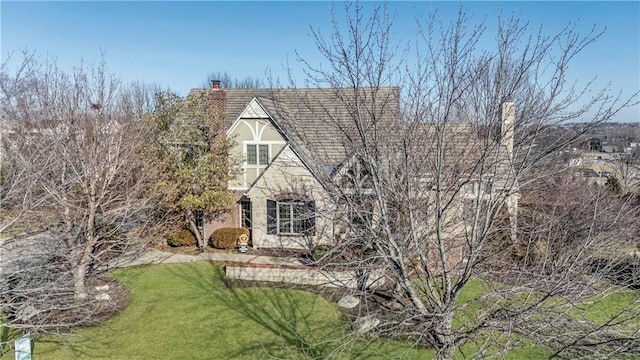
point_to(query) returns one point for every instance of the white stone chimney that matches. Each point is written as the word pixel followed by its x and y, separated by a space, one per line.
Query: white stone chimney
pixel 507 124
pixel 508 119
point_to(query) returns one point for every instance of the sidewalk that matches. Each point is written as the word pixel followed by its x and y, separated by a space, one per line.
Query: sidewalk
pixel 155 256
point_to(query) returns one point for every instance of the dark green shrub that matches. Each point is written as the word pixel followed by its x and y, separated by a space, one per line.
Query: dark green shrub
pixel 183 237
pixel 613 184
pixel 227 238
pixel 320 251
pixel 502 248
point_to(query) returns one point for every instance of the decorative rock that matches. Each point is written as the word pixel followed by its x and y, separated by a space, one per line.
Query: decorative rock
pixel 27 312
pixel 365 324
pixel 348 302
pixel 394 305
pixel 102 287
pixel 103 297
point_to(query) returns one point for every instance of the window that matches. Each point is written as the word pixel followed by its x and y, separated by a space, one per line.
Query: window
pixel 264 154
pixel 293 217
pixel 476 187
pixel 258 155
pixel 252 158
pixel 358 176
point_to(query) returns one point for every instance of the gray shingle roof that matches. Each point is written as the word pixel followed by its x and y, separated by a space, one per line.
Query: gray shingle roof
pixel 325 127
pixel 318 122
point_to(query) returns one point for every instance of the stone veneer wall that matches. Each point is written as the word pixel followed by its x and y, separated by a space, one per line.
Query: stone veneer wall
pixel 300 276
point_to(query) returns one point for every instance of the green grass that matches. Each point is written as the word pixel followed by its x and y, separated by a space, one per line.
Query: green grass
pixel 597 309
pixel 184 311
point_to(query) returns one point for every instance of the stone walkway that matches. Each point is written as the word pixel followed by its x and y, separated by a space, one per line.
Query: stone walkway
pixel 155 256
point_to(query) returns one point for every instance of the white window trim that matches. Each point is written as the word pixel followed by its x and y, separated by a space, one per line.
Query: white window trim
pixel 257 145
pixel 310 217
pixel 246 165
pixel 290 204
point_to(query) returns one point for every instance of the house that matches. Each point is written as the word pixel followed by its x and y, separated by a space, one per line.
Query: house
pixel 592 144
pixel 278 137
pixel 292 147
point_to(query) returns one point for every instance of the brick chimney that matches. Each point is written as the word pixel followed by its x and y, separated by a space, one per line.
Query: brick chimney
pixel 218 111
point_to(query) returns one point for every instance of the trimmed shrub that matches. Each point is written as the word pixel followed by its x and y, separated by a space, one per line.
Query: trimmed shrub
pixel 183 237
pixel 319 251
pixel 227 238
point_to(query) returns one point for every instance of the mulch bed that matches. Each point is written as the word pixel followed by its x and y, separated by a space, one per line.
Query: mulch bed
pixel 192 250
pixel 62 312
pixel 119 299
pixel 276 252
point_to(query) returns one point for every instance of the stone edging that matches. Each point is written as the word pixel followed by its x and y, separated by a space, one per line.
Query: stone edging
pixel 298 275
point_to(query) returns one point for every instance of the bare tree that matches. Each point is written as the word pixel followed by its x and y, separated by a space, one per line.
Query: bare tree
pixel 627 166
pixel 17 173
pixel 429 187
pixel 74 170
pixel 228 81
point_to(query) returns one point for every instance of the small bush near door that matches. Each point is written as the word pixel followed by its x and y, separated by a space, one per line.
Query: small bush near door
pixel 183 237
pixel 227 238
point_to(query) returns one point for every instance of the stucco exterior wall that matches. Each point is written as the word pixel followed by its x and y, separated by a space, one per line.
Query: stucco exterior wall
pixel 287 174
pixel 255 132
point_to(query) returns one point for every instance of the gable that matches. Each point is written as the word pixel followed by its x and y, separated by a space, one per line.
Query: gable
pixel 286 174
pixel 254 110
pixel 256 142
pixel 254 124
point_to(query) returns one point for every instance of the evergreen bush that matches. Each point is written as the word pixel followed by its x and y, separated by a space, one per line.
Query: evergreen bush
pixel 227 238
pixel 183 237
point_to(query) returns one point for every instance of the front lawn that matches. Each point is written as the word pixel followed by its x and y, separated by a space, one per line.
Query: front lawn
pixel 184 311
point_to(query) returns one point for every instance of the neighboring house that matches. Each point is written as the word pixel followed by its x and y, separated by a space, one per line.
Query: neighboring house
pixel 592 144
pixel 611 149
pixel 289 156
pixel 597 167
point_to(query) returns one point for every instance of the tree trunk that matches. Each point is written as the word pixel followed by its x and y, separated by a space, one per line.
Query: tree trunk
pixel 446 346
pixel 445 352
pixel 196 232
pixel 79 288
pixel 82 258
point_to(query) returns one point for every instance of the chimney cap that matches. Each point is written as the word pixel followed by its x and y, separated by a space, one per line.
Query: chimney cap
pixel 215 84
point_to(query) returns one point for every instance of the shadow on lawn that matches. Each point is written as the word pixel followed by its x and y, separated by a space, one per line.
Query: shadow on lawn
pixel 296 318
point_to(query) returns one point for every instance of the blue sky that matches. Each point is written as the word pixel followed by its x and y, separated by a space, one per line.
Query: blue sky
pixel 177 44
